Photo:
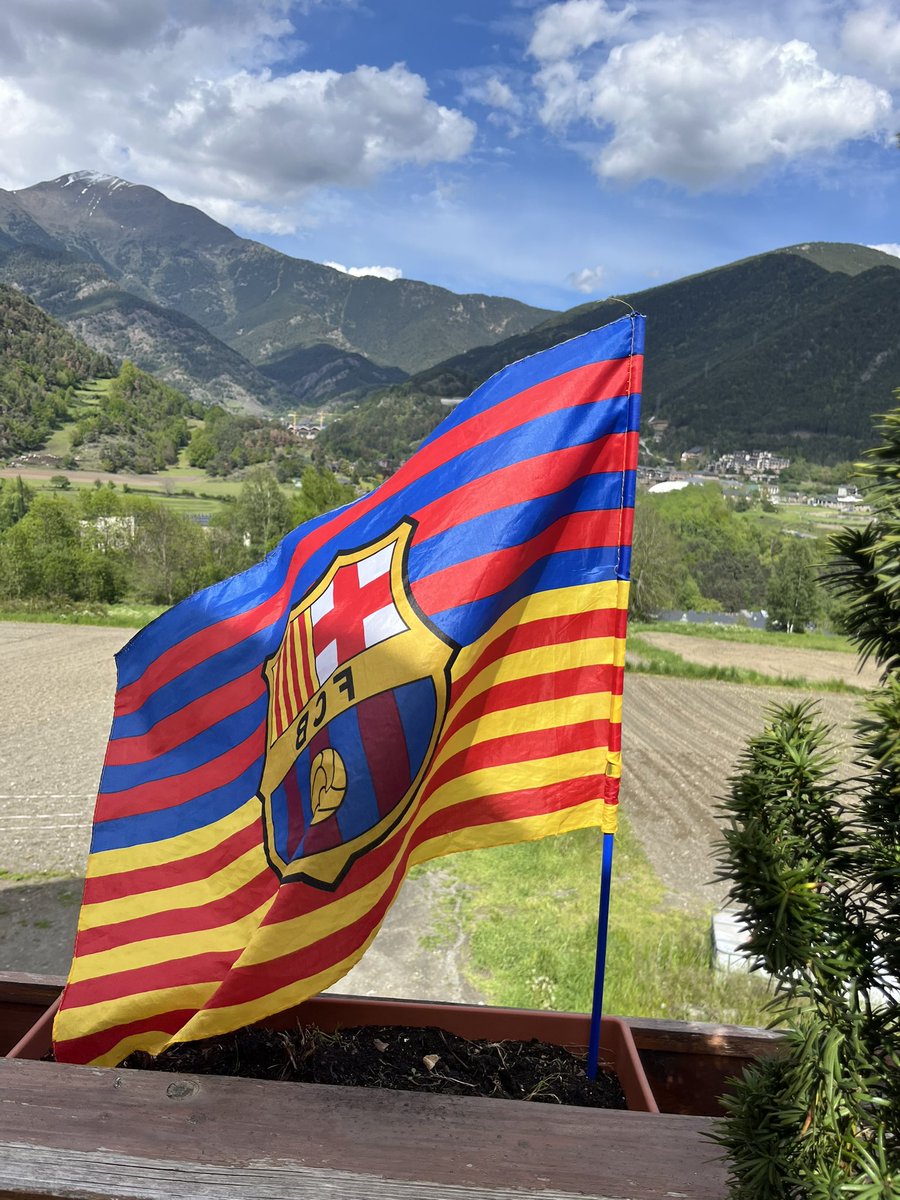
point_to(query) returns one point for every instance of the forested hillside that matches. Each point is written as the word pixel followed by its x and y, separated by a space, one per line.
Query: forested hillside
pixel 139 424
pixel 791 351
pixel 382 431
pixel 160 340
pixel 40 364
pixel 314 375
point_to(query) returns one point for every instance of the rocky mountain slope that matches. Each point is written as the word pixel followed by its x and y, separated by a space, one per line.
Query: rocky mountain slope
pixel 262 303
pixel 121 324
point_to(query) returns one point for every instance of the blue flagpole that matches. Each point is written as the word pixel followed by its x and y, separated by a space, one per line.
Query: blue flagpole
pixel 600 962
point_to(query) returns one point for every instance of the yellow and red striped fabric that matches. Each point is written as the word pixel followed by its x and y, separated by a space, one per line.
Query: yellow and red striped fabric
pixel 436 667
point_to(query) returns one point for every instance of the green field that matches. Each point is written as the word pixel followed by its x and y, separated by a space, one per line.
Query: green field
pixel 529 916
pixel 86 398
pixel 182 490
pixel 746 636
pixel 123 616
pixel 59 442
pixel 810 519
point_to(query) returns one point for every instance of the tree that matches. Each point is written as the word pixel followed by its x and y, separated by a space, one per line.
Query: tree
pixel 171 556
pixel 726 555
pixel 43 557
pixel 813 862
pixel 201 449
pixel 15 499
pixel 321 492
pixel 262 516
pixel 659 575
pixel 793 598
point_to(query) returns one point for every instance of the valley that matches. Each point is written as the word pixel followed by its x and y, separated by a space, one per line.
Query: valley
pixel 220 316
pixel 765 351
pixel 120 494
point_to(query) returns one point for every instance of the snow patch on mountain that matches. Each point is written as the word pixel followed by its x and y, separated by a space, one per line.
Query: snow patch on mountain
pixel 93 178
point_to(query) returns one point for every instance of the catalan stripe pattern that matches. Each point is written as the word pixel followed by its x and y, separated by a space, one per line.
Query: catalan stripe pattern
pixel 522 506
pixel 294 677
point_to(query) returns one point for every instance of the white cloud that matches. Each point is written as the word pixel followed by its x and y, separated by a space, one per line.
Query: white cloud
pixel 493 92
pixel 194 97
pixel 573 25
pixel 20 115
pixel 485 86
pixel 871 35
pixel 701 108
pixel 251 217
pixel 313 127
pixel 888 248
pixel 587 280
pixel 566 95
pixel 379 272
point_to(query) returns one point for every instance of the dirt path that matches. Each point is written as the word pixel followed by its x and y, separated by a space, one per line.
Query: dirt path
pixel 55 713
pixel 782 662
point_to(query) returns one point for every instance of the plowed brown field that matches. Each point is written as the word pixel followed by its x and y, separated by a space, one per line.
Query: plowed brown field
pixel 681 739
pixel 784 662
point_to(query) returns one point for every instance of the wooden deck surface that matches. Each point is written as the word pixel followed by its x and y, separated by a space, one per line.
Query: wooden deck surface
pixel 84 1132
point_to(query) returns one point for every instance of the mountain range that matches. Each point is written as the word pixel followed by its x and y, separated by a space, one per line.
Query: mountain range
pixel 136 274
pixel 794 349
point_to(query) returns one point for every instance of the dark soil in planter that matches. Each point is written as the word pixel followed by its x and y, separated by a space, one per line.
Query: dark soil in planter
pixel 406 1059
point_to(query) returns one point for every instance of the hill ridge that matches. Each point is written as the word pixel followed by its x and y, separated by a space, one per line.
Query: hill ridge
pixel 258 300
pixel 775 351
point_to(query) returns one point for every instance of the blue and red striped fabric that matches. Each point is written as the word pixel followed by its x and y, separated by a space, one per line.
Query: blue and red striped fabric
pixel 272 772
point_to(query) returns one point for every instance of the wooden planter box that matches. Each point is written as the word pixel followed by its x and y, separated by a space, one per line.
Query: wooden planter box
pixel 99 1132
pixel 331 1012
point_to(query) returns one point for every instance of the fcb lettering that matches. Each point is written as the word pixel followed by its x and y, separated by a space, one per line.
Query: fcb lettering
pixel 435 667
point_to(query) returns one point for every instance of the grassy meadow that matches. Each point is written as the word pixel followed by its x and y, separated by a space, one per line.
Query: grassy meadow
pixel 529 915
pixel 115 616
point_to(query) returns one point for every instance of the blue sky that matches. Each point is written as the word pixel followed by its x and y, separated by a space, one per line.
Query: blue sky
pixel 553 152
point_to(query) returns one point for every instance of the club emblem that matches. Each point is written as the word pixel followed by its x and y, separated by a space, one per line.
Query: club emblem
pixel 357 696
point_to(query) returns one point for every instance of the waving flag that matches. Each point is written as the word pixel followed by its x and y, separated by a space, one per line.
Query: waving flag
pixel 435 667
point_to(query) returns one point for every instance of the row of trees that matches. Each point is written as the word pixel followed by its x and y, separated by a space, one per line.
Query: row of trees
pixel 101 546
pixel 692 550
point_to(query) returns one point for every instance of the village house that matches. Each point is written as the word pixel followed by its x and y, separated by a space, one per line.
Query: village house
pixel 755 463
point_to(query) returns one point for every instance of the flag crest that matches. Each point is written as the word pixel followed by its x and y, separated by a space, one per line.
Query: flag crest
pixel 358 692
pixel 435 667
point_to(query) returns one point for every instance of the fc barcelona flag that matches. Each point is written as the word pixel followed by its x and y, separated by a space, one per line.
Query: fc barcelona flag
pixel 434 667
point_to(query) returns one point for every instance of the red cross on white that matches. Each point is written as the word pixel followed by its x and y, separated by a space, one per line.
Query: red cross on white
pixel 356 611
